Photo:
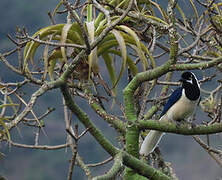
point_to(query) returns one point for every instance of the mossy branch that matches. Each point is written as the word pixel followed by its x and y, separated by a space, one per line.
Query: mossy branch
pixel 201 65
pixel 114 121
pixel 163 69
pixel 82 116
pixel 142 169
pixel 116 168
pixel 128 160
pixel 183 129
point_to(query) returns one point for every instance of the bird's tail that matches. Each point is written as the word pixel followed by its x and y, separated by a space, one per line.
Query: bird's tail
pixel 150 142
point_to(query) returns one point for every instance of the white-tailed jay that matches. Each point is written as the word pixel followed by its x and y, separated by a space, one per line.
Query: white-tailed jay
pixel 180 105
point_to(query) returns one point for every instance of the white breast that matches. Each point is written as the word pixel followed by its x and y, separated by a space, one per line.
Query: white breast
pixel 182 109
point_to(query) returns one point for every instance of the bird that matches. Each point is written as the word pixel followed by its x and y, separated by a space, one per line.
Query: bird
pixel 179 107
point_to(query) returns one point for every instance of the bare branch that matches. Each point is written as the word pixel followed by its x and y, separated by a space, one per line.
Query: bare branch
pixel 205 146
pixel 4 60
pixel 42 147
pixel 212 152
pixel 28 108
pixel 100 163
pixel 102 9
pixel 74 16
pixel 26 36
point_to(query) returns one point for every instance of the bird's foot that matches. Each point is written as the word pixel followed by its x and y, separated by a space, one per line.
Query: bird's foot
pixel 180 122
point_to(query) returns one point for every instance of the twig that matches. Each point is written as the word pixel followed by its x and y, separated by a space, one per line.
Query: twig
pixel 112 25
pixel 100 163
pixel 49 110
pixel 51 18
pixel 219 161
pixel 10 90
pixel 11 67
pixel 153 44
pixel 159 55
pixel 201 3
pixel 115 169
pixel 4 60
pixel 76 137
pixel 20 58
pixel 18 44
pixel 198 35
pixel 76 3
pixel 84 33
pixel 102 9
pixel 72 162
pixel 83 133
pixel 42 147
pixel 31 110
pixel 10 52
pixel 32 101
pixel 73 135
pixel 141 17
pixel 205 146
pixel 211 152
pixel 4 108
pixel 73 145
pixel 84 166
pixel 74 154
pixel 52 43
pixel 208 78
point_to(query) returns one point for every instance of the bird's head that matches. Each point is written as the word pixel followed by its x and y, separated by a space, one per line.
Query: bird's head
pixel 189 78
pixel 190 85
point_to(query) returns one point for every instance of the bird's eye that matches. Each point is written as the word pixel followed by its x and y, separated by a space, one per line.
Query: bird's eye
pixel 190 77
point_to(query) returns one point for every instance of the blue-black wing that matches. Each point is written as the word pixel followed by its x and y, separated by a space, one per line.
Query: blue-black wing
pixel 175 96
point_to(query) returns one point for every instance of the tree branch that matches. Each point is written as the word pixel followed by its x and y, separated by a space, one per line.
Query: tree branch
pixel 42 147
pixel 201 65
pixel 115 169
pixel 44 88
pixel 82 116
pixel 142 168
pixel 183 129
